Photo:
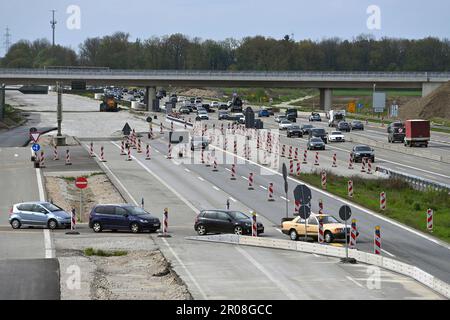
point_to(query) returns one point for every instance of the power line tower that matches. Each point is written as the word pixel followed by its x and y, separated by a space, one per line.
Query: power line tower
pixel 53 24
pixel 7 41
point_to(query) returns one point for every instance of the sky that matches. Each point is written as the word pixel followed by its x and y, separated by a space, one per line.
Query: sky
pixel 221 19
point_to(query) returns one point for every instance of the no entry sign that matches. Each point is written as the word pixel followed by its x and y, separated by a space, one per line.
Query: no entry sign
pixel 81 183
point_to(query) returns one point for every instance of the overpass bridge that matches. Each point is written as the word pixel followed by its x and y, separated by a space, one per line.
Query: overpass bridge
pixel 150 79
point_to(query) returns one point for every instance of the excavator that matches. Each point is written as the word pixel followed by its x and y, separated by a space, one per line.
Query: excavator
pixel 109 104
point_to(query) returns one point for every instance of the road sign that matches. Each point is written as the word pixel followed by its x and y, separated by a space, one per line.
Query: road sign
pixel 379 102
pixel 126 129
pixel 303 194
pixel 35 136
pixel 351 107
pixel 36 147
pixel 33 130
pixel 149 119
pixel 305 211
pixel 345 212
pixel 81 183
pixel 34 89
pixel 360 106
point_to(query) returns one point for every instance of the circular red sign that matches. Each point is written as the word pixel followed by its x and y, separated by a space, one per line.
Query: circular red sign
pixel 81 183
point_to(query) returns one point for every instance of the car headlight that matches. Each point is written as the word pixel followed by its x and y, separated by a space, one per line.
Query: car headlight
pixel 143 221
pixel 338 230
pixel 357 154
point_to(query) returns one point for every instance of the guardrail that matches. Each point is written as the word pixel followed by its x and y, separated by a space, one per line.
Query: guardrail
pixel 416 182
pixel 419 275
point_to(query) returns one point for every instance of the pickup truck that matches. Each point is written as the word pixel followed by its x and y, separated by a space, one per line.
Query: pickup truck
pixel 417 133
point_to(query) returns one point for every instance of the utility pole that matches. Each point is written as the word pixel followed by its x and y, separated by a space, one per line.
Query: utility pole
pixel 7 42
pixel 53 24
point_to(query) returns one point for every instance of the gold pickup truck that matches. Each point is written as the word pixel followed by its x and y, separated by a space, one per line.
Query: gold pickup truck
pixel 332 228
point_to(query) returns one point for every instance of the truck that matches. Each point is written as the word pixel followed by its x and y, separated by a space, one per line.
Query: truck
pixel 236 105
pixel 109 104
pixel 336 116
pixel 417 133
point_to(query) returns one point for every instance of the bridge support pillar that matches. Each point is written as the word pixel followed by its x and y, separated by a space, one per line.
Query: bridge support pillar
pixel 326 98
pixel 150 93
pixel 429 87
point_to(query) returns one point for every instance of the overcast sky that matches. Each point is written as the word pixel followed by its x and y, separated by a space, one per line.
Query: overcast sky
pixel 220 19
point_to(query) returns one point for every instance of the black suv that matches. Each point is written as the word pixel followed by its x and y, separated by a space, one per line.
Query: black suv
pixel 396 132
pixel 319 133
pixel 291 117
pixel 292 112
pixel 360 152
pixel 224 221
pixel 294 131
pixel 344 126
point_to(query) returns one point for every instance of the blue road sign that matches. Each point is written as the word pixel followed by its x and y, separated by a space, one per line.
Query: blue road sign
pixel 36 147
pixel 360 105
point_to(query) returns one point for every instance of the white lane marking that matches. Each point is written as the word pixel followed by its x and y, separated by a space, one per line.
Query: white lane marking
pixel 316 255
pixel 189 274
pixel 245 178
pixel 279 230
pixel 285 199
pixel 187 170
pixel 397 224
pixel 216 188
pixel 275 280
pixel 354 281
pixel 227 169
pixel 262 187
pixel 201 179
pixel 157 151
pixel 233 199
pixel 40 185
pixel 388 253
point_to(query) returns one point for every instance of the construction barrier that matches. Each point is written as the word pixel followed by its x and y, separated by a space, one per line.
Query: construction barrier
pixel 91 150
pixel 350 163
pixel 320 206
pixel 296 154
pixel 139 146
pixel 350 188
pixel 270 193
pixel 324 180
pixel 383 200
pixel 254 225
pixel 68 161
pixel 129 154
pixel 353 235
pixel 102 154
pixel 215 165
pixel 298 169
pixel 291 167
pixel 147 153
pixel 430 219
pixel 55 153
pixel 305 157
pixel 42 160
pixel 316 162
pixel 377 241
pixel 290 152
pixel 297 208
pixel 165 225
pixel 283 151
pixel 122 148
pixel 320 235
pixel 169 152
pixel 363 167
pixel 233 172
pixel 250 182
pixel 369 166
pixel 334 161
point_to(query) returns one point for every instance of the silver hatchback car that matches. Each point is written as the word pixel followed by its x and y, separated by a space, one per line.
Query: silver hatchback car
pixel 42 214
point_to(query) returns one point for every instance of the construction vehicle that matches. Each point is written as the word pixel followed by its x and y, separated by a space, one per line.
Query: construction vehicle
pixel 109 104
pixel 417 133
pixel 336 116
pixel 236 105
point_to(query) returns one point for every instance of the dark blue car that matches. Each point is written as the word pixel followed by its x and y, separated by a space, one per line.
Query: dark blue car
pixel 122 217
pixel 263 113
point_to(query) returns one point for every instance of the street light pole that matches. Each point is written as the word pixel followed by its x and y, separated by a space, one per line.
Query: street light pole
pixel 2 101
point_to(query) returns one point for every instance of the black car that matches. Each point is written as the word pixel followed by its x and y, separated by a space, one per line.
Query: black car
pixel 224 221
pixel 319 133
pixel 292 112
pixel 344 126
pixel 306 128
pixel 396 132
pixel 184 110
pixel 223 115
pixel 315 117
pixel 223 106
pixel 122 217
pixel 362 151
pixel 315 144
pixel 294 131
pixel 292 117
pixel 357 125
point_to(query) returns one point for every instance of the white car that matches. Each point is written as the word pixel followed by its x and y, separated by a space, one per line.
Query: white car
pixel 284 124
pixel 279 118
pixel 336 136
pixel 202 115
pixel 215 104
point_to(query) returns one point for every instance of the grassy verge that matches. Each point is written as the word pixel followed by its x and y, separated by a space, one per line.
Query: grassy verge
pixel 12 116
pixel 404 204
pixel 101 253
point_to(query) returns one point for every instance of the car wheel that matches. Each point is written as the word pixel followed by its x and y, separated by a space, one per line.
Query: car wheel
pixel 238 230
pixel 293 235
pixel 97 227
pixel 201 230
pixel 52 224
pixel 15 224
pixel 328 237
pixel 134 227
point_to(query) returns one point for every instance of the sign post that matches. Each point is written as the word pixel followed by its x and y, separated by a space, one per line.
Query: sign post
pixel 81 183
pixel 302 194
pixel 345 212
pixel 286 188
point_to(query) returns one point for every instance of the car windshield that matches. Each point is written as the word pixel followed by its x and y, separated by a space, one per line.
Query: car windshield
pixel 294 127
pixel 397 124
pixel 329 219
pixel 136 211
pixel 356 122
pixel 238 215
pixel 318 131
pixel 316 140
pixel 363 148
pixel 336 133
pixel 307 126
pixel 51 207
pixel 285 122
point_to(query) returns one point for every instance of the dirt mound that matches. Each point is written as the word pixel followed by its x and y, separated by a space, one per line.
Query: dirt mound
pixel 203 93
pixel 434 105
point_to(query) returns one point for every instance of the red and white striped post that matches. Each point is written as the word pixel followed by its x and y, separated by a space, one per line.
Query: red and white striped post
pixel 290 152
pixel 233 172
pixel 350 163
pixel 383 200
pixel 258 142
pixel 161 128
pixel 147 153
pixel 316 162
pixel 169 152
pixel 430 220
pixel 254 225
pixel 139 146
pixel 297 205
pixel 122 148
pixel 324 180
pixel 369 167
pixel 102 154
pixel 334 161
pixel 353 235
pixel 270 193
pixel 291 167
pixel 250 182
pixel 91 150
pixel 225 143
pixel 73 221
pixel 377 240
pixel 150 133
pixel 363 168
pixel 296 154
pixel 350 188
pixel 320 206
pixel 165 226
pixel 215 165
pixel 283 151
pixel 320 235
pixel 129 154
pixel 171 126
pixel 235 148
pixel 55 153
pixel 42 160
pixel 208 159
pixel 305 157
pixel 299 169
pixel 68 162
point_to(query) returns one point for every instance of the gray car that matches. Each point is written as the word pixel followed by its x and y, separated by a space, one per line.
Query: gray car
pixel 39 214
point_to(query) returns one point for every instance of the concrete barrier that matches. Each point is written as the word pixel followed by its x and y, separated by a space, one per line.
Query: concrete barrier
pixel 390 264
pixel 400 148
